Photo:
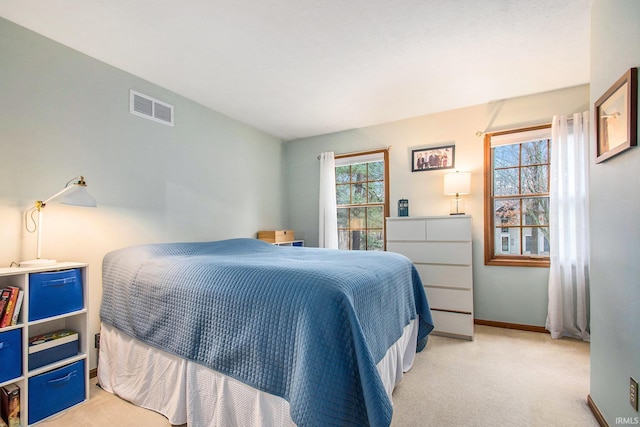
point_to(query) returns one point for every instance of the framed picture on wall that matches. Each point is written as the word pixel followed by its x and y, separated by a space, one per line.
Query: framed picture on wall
pixel 616 117
pixel 433 158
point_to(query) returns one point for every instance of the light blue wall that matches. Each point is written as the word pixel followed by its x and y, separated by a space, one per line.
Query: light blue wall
pixel 63 113
pixel 615 231
pixel 505 294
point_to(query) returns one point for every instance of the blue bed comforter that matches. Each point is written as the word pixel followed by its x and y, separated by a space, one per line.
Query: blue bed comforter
pixel 305 324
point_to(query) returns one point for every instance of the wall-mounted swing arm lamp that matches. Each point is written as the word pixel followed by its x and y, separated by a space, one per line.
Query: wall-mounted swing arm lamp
pixel 74 193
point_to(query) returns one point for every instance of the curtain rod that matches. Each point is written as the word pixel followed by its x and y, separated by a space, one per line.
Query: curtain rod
pixel 514 130
pixel 480 133
pixel 355 153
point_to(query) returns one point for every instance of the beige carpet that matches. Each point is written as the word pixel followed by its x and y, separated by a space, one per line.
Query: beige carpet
pixel 502 378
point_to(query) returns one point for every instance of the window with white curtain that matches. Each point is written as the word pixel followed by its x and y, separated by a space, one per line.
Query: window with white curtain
pixel 517 197
pixel 362 197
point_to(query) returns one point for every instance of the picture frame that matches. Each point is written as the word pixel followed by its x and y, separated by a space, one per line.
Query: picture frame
pixel 433 158
pixel 616 117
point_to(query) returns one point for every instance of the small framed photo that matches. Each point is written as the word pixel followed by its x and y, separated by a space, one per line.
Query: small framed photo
pixel 616 117
pixel 433 158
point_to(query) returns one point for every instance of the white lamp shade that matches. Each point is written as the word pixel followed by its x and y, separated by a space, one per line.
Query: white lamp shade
pixel 79 196
pixel 457 183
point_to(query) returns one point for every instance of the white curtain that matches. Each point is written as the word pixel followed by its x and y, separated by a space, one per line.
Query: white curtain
pixel 328 227
pixel 569 228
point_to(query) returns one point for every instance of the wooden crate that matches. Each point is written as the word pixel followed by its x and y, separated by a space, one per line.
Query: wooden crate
pixel 276 236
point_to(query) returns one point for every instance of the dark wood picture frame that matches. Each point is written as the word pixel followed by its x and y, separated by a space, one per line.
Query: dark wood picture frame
pixel 433 158
pixel 616 117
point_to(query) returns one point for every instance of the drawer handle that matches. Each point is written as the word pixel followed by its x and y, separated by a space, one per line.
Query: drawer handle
pixel 59 282
pixel 4 344
pixel 61 381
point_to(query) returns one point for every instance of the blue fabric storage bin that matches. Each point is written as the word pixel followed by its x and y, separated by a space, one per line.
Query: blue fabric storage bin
pixel 53 293
pixel 56 390
pixel 10 354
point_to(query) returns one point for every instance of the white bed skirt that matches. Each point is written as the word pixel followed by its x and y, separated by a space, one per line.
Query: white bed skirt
pixel 186 392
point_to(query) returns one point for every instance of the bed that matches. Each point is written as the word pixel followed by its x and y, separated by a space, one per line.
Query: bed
pixel 242 332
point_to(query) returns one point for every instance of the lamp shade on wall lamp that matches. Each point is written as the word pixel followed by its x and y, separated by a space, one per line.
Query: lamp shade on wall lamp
pixel 79 196
pixel 457 183
pixel 74 193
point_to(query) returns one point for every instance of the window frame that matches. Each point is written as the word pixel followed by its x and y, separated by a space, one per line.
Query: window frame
pixel 385 209
pixel 490 257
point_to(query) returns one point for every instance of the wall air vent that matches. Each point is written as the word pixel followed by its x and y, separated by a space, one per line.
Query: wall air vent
pixel 150 108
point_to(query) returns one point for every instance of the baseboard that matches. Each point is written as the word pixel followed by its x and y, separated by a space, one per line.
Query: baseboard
pixel 506 325
pixel 93 373
pixel 596 412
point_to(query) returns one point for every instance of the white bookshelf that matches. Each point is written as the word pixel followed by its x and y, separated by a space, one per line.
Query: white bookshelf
pixel 76 320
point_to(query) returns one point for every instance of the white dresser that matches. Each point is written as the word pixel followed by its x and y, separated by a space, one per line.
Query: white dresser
pixel 440 248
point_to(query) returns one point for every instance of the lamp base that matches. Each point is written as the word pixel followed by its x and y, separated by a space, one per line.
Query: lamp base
pixel 456 207
pixel 40 262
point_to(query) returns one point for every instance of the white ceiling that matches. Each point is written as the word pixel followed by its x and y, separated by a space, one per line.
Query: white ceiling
pixel 297 68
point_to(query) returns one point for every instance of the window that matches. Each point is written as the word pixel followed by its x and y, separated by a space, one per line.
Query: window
pixel 517 197
pixel 362 200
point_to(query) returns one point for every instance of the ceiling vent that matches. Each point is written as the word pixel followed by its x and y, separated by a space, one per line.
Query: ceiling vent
pixel 146 106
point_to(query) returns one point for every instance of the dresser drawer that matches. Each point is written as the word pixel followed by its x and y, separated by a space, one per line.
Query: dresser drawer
pixel 453 323
pixel 450 299
pixel 406 229
pixel 449 229
pixel 456 253
pixel 448 276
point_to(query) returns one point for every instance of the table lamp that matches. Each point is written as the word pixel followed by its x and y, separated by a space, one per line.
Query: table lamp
pixel 457 183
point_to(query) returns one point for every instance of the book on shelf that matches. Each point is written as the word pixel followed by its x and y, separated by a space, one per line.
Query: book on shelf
pixel 11 303
pixel 10 405
pixel 16 309
pixel 52 339
pixel 5 294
